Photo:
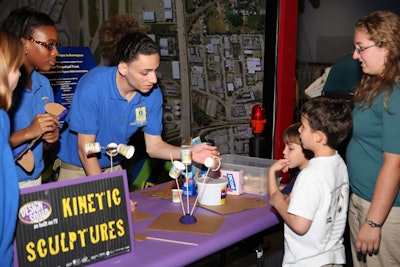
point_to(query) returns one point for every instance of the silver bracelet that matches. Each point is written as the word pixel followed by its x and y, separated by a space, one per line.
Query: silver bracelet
pixel 373 224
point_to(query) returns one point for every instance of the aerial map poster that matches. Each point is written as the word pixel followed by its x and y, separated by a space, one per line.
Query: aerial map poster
pixel 212 58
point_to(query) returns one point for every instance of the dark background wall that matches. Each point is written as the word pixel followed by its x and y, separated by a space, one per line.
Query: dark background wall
pixel 326 33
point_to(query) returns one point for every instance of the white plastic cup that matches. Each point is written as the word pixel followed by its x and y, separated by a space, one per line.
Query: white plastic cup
pixel 186 156
pixel 111 149
pixel 176 195
pixel 126 150
pixel 176 169
pixel 214 163
pixel 92 148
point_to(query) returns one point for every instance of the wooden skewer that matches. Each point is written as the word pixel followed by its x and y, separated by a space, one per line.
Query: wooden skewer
pixel 177 186
pixel 172 241
pixel 204 188
pixel 187 188
pixel 20 154
pixel 180 197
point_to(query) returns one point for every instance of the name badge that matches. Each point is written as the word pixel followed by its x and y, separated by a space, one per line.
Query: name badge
pixel 141 116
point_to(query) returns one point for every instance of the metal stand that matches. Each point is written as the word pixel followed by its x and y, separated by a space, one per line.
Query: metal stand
pixel 258 146
pixel 260 255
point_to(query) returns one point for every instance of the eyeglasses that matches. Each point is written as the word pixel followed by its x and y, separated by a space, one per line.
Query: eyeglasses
pixel 360 49
pixel 49 46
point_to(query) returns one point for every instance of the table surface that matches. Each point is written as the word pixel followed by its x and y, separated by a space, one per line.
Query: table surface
pixel 236 227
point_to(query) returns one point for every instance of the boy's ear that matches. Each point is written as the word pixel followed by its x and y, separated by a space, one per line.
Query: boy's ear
pixel 122 68
pixel 320 137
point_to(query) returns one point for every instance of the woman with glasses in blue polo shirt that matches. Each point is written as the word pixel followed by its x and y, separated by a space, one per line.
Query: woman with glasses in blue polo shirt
pixel 30 124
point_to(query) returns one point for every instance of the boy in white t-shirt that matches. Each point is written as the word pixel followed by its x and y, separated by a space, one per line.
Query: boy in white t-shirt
pixel 315 217
pixel 295 156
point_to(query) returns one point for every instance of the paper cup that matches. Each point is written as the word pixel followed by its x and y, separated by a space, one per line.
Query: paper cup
pixel 213 163
pixel 186 156
pixel 92 148
pixel 176 195
pixel 126 151
pixel 111 149
pixel 176 169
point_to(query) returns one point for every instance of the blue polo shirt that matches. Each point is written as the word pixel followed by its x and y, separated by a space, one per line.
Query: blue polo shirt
pixel 374 131
pixel 9 193
pixel 26 105
pixel 97 108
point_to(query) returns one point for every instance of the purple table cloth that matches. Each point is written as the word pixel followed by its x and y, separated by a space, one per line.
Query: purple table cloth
pixel 236 227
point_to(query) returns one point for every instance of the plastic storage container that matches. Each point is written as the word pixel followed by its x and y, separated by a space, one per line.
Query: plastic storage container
pixel 255 176
pixel 213 192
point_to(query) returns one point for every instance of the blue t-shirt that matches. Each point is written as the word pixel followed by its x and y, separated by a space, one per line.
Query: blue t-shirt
pixel 374 131
pixel 98 108
pixel 26 105
pixel 9 193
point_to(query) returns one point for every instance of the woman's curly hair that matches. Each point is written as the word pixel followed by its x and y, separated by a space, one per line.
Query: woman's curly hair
pixel 112 31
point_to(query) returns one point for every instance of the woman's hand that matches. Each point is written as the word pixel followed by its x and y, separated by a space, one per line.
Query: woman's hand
pixel 51 137
pixel 368 239
pixel 43 123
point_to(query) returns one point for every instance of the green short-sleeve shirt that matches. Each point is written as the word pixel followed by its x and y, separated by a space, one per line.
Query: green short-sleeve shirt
pixel 374 131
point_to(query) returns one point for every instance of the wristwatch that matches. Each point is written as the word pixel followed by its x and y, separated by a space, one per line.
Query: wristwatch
pixel 373 224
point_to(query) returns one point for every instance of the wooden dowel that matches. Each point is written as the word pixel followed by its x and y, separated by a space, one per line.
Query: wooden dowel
pixel 202 191
pixel 172 241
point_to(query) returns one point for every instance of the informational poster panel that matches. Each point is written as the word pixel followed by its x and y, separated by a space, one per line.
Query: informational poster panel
pixel 74 223
pixel 72 63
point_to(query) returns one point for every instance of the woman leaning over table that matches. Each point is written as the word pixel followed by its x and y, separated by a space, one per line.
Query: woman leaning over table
pixel 11 59
pixel 29 119
pixel 373 154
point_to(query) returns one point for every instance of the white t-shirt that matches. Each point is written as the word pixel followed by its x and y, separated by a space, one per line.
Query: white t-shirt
pixel 320 194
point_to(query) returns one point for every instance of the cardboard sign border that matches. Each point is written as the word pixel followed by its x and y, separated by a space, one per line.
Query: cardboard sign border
pixel 81 180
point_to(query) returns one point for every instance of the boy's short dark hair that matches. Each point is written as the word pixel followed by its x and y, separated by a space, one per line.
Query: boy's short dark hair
pixel 330 116
pixel 134 44
pixel 292 135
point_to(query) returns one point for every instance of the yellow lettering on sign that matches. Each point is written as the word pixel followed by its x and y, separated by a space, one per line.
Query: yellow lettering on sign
pixel 54 245
pixel 69 241
pixel 93 202
pixel 30 250
pixel 81 234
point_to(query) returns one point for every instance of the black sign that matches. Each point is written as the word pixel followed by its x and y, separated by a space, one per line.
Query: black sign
pixel 74 223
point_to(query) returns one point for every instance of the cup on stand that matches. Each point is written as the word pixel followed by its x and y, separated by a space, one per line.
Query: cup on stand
pixel 92 148
pixel 214 163
pixel 176 169
pixel 111 149
pixel 126 150
pixel 176 195
pixel 186 156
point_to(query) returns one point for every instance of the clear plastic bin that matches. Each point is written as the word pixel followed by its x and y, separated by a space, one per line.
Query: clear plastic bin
pixel 255 171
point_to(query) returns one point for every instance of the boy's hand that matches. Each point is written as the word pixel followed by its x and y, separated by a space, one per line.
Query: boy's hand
pixel 280 165
pixel 273 169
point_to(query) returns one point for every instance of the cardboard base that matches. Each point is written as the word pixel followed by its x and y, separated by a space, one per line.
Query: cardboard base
pixel 235 203
pixel 169 221
pixel 138 216
pixel 164 192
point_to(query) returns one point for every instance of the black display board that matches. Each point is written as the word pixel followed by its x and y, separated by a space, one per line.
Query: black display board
pixel 74 223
